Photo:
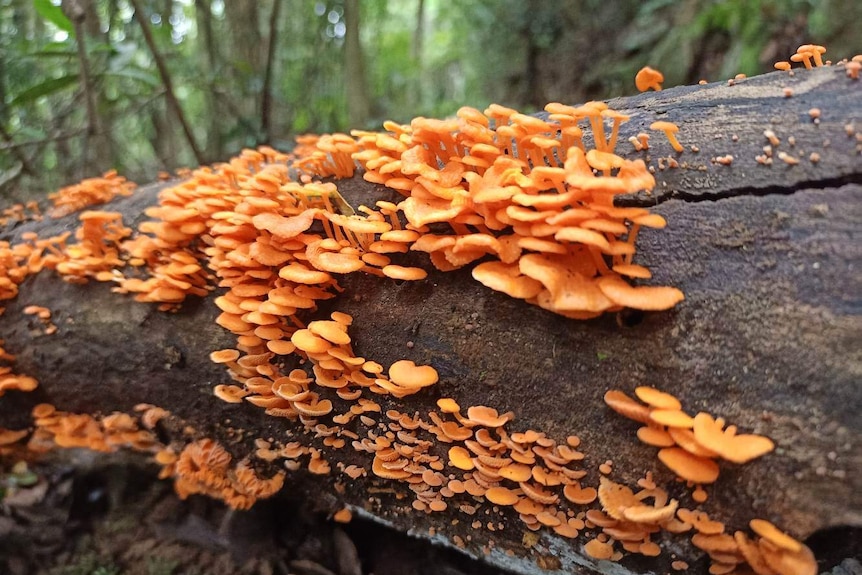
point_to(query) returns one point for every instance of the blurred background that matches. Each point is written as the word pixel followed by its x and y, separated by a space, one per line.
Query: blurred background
pixel 144 86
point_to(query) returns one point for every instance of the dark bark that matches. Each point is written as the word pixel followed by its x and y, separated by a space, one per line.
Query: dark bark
pixel 768 336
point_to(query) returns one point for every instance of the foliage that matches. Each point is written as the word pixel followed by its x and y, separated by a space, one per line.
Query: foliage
pixel 422 57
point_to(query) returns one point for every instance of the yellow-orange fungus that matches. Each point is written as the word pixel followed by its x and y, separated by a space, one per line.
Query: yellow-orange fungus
pixel 738 448
pixel 487 416
pixel 598 550
pixel 771 533
pixel 460 458
pixel 343 515
pixel 224 356
pixel 670 129
pixel 406 373
pixel 626 406
pixel 404 273
pixel 655 436
pixel 648 79
pixel 501 496
pixel 689 467
pixel 671 418
pixel 448 405
pixel 308 342
pixel 656 398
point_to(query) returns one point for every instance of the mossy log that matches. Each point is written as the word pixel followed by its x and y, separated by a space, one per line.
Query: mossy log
pixel 769 336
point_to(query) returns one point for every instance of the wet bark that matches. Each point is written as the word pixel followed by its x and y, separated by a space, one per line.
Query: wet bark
pixel 769 258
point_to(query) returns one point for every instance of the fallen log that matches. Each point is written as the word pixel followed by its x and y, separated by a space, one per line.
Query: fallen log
pixel 768 256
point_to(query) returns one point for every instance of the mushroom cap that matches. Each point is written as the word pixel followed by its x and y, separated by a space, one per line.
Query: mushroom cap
pixel 788 562
pixel 224 355
pixel 664 126
pixel 671 418
pixel 404 273
pixel 487 416
pixel 736 448
pixel 284 227
pixel 448 405
pixel 580 495
pixel 615 498
pixel 774 535
pixel 506 278
pixel 626 406
pixel 516 472
pixel 330 330
pixel 598 549
pixel 501 496
pixel 647 77
pixel 407 374
pixel 460 458
pixel 649 298
pixel 655 436
pixel 650 514
pixel 658 399
pixel 689 467
pixel 307 341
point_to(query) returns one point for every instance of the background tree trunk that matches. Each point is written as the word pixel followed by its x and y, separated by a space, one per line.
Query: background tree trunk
pixel 356 86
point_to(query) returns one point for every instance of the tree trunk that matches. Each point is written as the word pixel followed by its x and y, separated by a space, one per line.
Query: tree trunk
pixel 355 84
pixel 242 19
pixel 767 337
pixel 417 88
pixel 266 97
pixel 210 64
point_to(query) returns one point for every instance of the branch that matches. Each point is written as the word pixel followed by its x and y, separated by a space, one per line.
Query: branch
pixel 166 80
pixel 56 138
pixel 10 176
pixel 22 158
pixel 266 101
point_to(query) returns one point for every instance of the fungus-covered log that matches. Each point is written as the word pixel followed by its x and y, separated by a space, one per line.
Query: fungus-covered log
pixel 764 243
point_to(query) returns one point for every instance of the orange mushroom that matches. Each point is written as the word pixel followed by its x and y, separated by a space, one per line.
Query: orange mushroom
pixel 648 79
pixel 689 467
pixel 670 129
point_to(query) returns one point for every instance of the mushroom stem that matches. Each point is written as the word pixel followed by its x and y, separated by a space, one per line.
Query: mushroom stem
pixel 673 141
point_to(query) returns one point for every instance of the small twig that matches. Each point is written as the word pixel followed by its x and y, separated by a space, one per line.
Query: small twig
pixel 56 138
pixel 19 154
pixel 166 81
pixel 10 176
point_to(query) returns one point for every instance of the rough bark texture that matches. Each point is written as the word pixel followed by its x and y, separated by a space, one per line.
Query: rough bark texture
pixel 768 337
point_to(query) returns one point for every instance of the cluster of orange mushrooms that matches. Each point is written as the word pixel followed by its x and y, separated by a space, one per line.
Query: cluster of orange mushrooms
pixel 688 444
pixel 811 56
pixel 531 200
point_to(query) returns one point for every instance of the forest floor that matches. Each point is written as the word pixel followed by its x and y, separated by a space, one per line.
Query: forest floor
pixel 121 520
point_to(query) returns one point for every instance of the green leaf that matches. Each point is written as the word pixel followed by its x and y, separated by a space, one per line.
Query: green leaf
pixel 43 89
pixel 53 14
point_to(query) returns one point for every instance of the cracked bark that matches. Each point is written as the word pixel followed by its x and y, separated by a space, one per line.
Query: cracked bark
pixel 768 336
